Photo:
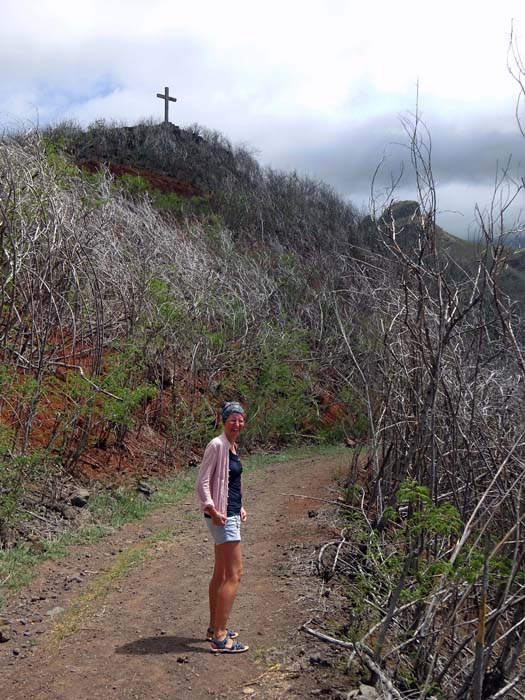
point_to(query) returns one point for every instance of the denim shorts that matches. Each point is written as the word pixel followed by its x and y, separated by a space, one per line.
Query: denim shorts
pixel 229 532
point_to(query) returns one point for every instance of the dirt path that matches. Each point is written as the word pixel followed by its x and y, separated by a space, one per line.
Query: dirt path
pixel 124 618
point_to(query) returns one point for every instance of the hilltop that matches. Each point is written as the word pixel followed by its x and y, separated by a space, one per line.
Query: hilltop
pixel 280 209
pixel 204 172
pixel 199 171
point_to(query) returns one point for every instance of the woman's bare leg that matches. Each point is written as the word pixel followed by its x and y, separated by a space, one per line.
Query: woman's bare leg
pixel 229 562
pixel 213 590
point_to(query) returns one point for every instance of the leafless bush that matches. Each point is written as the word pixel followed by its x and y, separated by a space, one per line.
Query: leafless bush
pixel 442 551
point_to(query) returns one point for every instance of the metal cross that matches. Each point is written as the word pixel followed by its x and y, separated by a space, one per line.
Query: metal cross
pixel 167 99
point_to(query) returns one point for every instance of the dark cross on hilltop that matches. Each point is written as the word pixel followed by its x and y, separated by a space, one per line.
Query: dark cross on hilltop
pixel 167 99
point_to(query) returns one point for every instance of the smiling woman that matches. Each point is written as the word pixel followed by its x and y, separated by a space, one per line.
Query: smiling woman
pixel 219 492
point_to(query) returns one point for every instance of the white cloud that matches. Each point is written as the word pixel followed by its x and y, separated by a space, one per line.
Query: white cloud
pixel 298 81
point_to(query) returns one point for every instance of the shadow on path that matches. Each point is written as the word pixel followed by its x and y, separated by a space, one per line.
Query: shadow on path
pixel 163 645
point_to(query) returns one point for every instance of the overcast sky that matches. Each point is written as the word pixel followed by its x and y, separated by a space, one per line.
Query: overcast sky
pixel 316 86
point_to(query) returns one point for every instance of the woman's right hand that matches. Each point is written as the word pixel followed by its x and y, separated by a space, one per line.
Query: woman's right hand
pixel 218 518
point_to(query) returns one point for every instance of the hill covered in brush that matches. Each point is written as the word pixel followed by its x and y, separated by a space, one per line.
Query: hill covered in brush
pixel 196 171
pixel 204 172
pixel 149 274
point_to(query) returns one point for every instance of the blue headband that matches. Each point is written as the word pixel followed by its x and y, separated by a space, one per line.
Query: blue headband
pixel 231 407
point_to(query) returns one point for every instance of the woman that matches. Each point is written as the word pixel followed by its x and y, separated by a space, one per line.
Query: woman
pixel 218 490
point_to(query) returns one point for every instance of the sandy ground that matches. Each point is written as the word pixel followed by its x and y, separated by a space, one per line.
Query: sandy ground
pixel 90 628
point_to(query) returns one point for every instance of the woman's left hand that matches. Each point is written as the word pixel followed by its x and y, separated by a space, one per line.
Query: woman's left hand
pixel 243 515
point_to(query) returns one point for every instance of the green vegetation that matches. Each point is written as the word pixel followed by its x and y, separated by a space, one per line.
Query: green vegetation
pixel 401 559
pixel 169 202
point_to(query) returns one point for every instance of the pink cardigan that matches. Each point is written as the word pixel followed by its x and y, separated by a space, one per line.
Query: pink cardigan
pixel 211 487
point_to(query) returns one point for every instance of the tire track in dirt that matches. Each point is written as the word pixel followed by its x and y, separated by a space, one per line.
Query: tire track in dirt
pixel 141 636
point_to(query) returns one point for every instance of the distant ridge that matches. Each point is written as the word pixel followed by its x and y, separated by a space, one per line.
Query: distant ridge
pixel 462 254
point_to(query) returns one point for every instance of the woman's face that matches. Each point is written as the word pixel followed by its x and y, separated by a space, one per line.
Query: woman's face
pixel 233 426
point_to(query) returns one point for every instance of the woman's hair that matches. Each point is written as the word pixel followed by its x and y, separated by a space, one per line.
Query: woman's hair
pixel 231 407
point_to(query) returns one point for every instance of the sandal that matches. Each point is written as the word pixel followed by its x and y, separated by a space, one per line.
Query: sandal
pixel 221 648
pixel 210 632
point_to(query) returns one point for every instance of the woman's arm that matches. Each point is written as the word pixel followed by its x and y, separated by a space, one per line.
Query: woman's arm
pixel 202 487
pixel 207 468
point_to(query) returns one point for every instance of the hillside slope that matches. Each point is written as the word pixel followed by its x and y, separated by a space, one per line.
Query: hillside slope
pixel 131 310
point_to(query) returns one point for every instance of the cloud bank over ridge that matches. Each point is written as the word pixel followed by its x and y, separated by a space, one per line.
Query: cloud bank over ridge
pixel 318 87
